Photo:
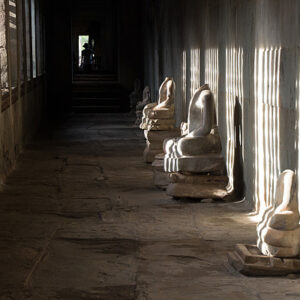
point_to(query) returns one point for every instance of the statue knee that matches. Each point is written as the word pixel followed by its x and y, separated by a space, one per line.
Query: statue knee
pixel 184 146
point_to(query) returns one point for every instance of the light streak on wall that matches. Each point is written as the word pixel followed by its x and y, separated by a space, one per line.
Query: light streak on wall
pixel 3 49
pixel 297 127
pixel 234 96
pixel 267 121
pixel 183 84
pixel 212 71
pixel 195 70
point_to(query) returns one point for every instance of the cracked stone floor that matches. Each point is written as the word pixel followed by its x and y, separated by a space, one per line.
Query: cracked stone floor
pixel 81 220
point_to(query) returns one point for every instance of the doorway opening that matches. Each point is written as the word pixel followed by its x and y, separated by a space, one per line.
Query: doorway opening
pixel 95 41
pixel 82 41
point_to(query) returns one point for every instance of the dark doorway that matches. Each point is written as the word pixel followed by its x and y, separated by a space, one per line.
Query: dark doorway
pixel 112 31
pixel 95 40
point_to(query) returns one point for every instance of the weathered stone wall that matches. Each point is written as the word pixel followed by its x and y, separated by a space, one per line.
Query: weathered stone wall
pixel 22 89
pixel 248 52
pixel 18 124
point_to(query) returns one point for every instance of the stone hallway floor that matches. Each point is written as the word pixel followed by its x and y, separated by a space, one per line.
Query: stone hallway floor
pixel 81 220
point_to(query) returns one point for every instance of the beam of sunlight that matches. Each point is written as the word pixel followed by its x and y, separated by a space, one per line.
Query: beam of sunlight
pixel 255 196
pixel 267 153
pixel 33 39
pixel 212 72
pixel 195 70
pixel 297 125
pixel 3 49
pixel 13 42
pixel 234 92
pixel 183 84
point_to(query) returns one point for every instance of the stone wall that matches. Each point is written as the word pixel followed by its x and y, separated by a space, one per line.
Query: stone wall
pixel 22 77
pixel 18 125
pixel 248 52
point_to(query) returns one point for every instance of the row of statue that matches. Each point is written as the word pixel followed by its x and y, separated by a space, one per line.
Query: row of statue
pixel 188 163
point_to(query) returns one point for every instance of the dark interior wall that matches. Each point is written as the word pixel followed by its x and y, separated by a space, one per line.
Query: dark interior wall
pixel 130 43
pixel 59 58
pixel 59 48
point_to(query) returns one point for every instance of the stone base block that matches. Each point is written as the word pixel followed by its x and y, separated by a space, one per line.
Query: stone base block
pixel 220 181
pixel 138 120
pixel 158 163
pixel 163 114
pixel 149 154
pixel 196 164
pixel 154 146
pixel 197 186
pixel 160 177
pixel 162 122
pixel 248 260
pixel 154 140
pixel 160 157
pixel 196 191
pixel 160 126
pixel 160 136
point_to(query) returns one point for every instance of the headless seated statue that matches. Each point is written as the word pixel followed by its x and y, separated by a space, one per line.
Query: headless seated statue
pixel 279 230
pixel 198 150
pixel 146 99
pixel 140 105
pixel 160 115
pixel 135 96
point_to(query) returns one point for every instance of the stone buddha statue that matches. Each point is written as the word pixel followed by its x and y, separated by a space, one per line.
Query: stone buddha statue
pixel 194 161
pixel 279 230
pixel 199 148
pixel 159 120
pixel 141 105
pixel 136 95
pixel 146 99
pixel 160 115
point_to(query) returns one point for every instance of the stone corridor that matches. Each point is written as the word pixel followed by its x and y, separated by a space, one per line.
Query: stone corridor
pixel 81 220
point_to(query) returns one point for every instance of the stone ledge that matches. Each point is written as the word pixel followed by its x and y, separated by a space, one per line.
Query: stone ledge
pixel 161 179
pixel 197 191
pixel 149 155
pixel 162 135
pixel 158 163
pixel 216 180
pixel 196 164
pixel 248 260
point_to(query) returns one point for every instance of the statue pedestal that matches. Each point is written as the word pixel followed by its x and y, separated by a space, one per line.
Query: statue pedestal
pixel 248 260
pixel 149 154
pixel 160 177
pixel 155 140
pixel 207 163
pixel 139 116
pixel 199 186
